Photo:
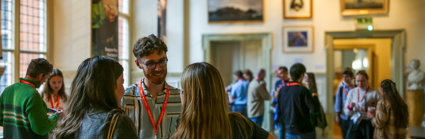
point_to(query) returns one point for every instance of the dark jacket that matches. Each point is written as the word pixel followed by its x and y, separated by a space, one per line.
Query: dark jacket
pixel 97 124
pixel 296 107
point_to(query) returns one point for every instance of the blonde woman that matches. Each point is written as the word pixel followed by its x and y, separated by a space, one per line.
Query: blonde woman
pixel 204 113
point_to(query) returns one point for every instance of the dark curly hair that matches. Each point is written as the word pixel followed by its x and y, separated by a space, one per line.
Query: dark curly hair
pixel 348 72
pixel 147 45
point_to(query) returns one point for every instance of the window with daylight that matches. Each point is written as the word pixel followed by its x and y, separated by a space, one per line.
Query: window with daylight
pixel 24 32
pixel 124 37
pixel 28 19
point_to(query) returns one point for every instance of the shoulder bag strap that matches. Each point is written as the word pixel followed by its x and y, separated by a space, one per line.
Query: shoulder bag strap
pixel 111 130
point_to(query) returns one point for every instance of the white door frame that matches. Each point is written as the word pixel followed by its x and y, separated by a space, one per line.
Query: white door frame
pixel 266 41
pixel 398 48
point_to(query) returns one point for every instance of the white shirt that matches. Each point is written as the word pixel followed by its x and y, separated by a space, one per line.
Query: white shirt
pixel 357 96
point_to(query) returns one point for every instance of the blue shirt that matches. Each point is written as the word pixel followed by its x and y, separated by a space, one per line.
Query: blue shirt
pixel 277 85
pixel 240 90
pixel 340 99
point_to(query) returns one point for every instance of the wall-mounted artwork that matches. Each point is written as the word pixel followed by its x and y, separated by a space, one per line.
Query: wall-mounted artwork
pixel 230 11
pixel 363 7
pixel 104 23
pixel 297 39
pixel 297 9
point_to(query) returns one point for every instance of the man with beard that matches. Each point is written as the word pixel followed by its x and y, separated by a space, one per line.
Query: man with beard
pixel 151 103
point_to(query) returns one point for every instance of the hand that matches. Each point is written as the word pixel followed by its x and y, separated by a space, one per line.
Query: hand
pixel 60 113
pixel 352 104
pixel 50 114
pixel 337 119
pixel 233 97
pixel 362 109
pixel 370 114
pixel 228 88
pixel 276 93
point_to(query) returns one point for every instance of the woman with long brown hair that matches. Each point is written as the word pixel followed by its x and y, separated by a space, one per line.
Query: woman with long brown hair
pixel 319 119
pixel 94 107
pixel 391 117
pixel 53 92
pixel 204 113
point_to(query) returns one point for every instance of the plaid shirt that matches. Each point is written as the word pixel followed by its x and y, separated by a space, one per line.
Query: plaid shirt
pixel 135 109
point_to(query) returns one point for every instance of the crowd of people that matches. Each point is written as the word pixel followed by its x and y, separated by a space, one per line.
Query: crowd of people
pixel 98 106
pixel 364 112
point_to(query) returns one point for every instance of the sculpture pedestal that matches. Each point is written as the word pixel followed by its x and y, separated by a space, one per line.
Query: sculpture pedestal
pixel 415 102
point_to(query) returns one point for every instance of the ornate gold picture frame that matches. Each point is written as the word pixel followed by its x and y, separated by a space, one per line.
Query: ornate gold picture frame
pixel 364 7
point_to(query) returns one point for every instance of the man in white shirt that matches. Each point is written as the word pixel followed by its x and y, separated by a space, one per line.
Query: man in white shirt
pixel 359 100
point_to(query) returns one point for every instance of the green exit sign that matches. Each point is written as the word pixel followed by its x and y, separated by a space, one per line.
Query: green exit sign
pixel 365 20
pixel 365 23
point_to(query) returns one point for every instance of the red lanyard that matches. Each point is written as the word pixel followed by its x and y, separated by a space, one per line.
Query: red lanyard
pixel 283 83
pixel 57 102
pixel 145 102
pixel 358 95
pixel 343 89
pixel 26 82
pixel 293 84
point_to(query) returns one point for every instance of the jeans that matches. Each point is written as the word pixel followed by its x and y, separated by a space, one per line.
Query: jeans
pixel 257 120
pixel 282 131
pixel 311 135
pixel 240 109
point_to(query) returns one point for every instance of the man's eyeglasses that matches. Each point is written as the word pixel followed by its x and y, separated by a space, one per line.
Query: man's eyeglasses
pixel 152 65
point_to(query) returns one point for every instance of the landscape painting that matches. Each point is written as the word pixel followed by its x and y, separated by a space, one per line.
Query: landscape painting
pixel 228 11
pixel 364 7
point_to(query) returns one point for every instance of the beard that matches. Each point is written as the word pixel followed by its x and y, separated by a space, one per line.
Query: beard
pixel 156 77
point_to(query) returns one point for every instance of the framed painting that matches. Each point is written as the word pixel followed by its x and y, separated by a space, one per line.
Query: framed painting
pixel 363 7
pixel 235 11
pixel 297 9
pixel 104 28
pixel 298 39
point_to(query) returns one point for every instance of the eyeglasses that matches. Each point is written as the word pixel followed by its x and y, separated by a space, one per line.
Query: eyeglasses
pixel 152 65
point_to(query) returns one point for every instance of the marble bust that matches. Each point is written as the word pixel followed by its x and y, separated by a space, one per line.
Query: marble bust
pixel 416 76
